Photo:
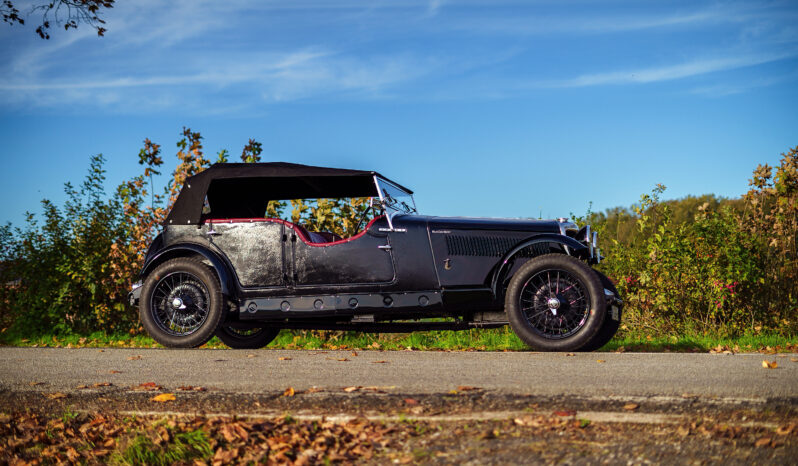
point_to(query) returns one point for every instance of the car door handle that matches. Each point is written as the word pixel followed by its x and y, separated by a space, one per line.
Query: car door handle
pixel 385 247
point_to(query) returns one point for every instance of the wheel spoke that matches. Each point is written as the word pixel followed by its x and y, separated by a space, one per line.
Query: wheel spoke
pixel 187 317
pixel 555 303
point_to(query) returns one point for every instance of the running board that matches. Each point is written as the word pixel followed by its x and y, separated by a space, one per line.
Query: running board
pixel 372 327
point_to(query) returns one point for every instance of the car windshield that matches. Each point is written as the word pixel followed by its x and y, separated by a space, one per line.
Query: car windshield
pixel 395 199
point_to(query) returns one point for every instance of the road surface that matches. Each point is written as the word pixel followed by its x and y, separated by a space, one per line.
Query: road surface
pixel 737 376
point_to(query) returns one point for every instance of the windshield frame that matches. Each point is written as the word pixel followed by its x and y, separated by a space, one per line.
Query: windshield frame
pixel 390 210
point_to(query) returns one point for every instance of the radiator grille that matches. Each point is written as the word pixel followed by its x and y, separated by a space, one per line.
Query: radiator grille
pixel 496 246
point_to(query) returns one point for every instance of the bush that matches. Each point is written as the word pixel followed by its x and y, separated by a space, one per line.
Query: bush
pixel 700 265
pixel 730 269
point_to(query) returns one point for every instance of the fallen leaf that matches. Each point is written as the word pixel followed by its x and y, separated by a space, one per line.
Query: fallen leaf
pixel 351 389
pixel 570 354
pixel 250 355
pixel 81 387
pixel 785 430
pixel 314 390
pixel 102 351
pixel 769 365
pixel 411 401
pixel 620 349
pixel 564 413
pixel 600 361
pixel 763 442
pixel 794 359
pixel 631 406
pixel 163 397
pixel 283 358
pixel 55 396
pixel 72 454
pixel 112 371
pixel 289 391
pixel 147 387
pixel 342 359
pixel 102 384
pixel 33 384
pixel 379 362
pixel 133 358
pixel 354 353
pixel 466 388
pixel 683 431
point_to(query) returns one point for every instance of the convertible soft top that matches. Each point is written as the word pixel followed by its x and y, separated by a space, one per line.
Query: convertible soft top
pixel 244 189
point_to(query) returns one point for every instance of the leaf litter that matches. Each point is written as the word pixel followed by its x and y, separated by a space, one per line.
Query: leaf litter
pixel 31 437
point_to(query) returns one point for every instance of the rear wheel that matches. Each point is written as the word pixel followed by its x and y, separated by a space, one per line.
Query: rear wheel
pixel 246 338
pixel 555 303
pixel 181 303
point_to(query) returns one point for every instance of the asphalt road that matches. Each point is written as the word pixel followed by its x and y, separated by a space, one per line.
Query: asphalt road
pixel 738 376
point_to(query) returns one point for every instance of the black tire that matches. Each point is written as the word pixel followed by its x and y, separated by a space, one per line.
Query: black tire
pixel 181 303
pixel 564 299
pixel 246 339
pixel 610 326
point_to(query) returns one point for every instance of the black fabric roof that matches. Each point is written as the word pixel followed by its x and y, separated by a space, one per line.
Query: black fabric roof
pixel 243 189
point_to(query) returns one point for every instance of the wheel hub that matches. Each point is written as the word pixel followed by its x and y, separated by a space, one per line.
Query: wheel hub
pixel 177 303
pixel 553 304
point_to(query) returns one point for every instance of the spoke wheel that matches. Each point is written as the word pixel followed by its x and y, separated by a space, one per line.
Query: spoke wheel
pixel 254 338
pixel 555 302
pixel 181 303
pixel 610 326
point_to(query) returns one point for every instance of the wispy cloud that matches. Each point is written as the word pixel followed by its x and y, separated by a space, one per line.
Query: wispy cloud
pixel 665 73
pixel 733 88
pixel 433 7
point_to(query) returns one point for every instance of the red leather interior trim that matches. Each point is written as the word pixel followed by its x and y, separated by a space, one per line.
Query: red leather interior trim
pixel 346 240
pixel 300 231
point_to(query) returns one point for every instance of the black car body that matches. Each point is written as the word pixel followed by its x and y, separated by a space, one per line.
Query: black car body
pixel 265 274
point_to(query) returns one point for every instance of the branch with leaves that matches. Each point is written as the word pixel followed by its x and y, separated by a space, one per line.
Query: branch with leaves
pixel 69 13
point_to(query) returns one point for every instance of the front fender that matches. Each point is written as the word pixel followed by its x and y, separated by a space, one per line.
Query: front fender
pixel 226 277
pixel 572 247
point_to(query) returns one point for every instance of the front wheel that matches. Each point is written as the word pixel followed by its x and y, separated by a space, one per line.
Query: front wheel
pixel 181 303
pixel 555 303
pixel 246 338
pixel 612 321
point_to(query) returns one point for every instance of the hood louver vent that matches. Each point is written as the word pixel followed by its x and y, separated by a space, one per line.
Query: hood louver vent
pixel 495 246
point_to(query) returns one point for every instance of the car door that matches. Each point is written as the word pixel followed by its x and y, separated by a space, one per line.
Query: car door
pixel 363 259
pixel 254 247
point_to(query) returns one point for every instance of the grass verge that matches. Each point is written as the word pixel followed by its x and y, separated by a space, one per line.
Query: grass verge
pixel 502 339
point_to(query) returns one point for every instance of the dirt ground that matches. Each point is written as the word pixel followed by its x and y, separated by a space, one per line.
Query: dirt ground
pixel 98 424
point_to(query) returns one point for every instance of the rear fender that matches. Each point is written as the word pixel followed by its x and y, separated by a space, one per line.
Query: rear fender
pixel 226 278
pixel 571 246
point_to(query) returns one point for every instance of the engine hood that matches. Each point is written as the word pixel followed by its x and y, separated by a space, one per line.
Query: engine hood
pixel 504 224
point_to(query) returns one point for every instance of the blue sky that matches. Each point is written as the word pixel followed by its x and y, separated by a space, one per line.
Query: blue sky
pixel 484 108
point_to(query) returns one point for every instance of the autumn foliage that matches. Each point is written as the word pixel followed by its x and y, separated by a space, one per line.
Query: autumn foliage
pixel 727 266
pixel 693 266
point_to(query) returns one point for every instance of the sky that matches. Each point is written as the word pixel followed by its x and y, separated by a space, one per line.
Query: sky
pixel 484 108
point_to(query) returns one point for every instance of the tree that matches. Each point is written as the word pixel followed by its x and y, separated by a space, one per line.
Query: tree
pixel 70 13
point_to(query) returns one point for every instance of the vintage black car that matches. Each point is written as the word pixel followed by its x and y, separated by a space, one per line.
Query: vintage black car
pixel 221 267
